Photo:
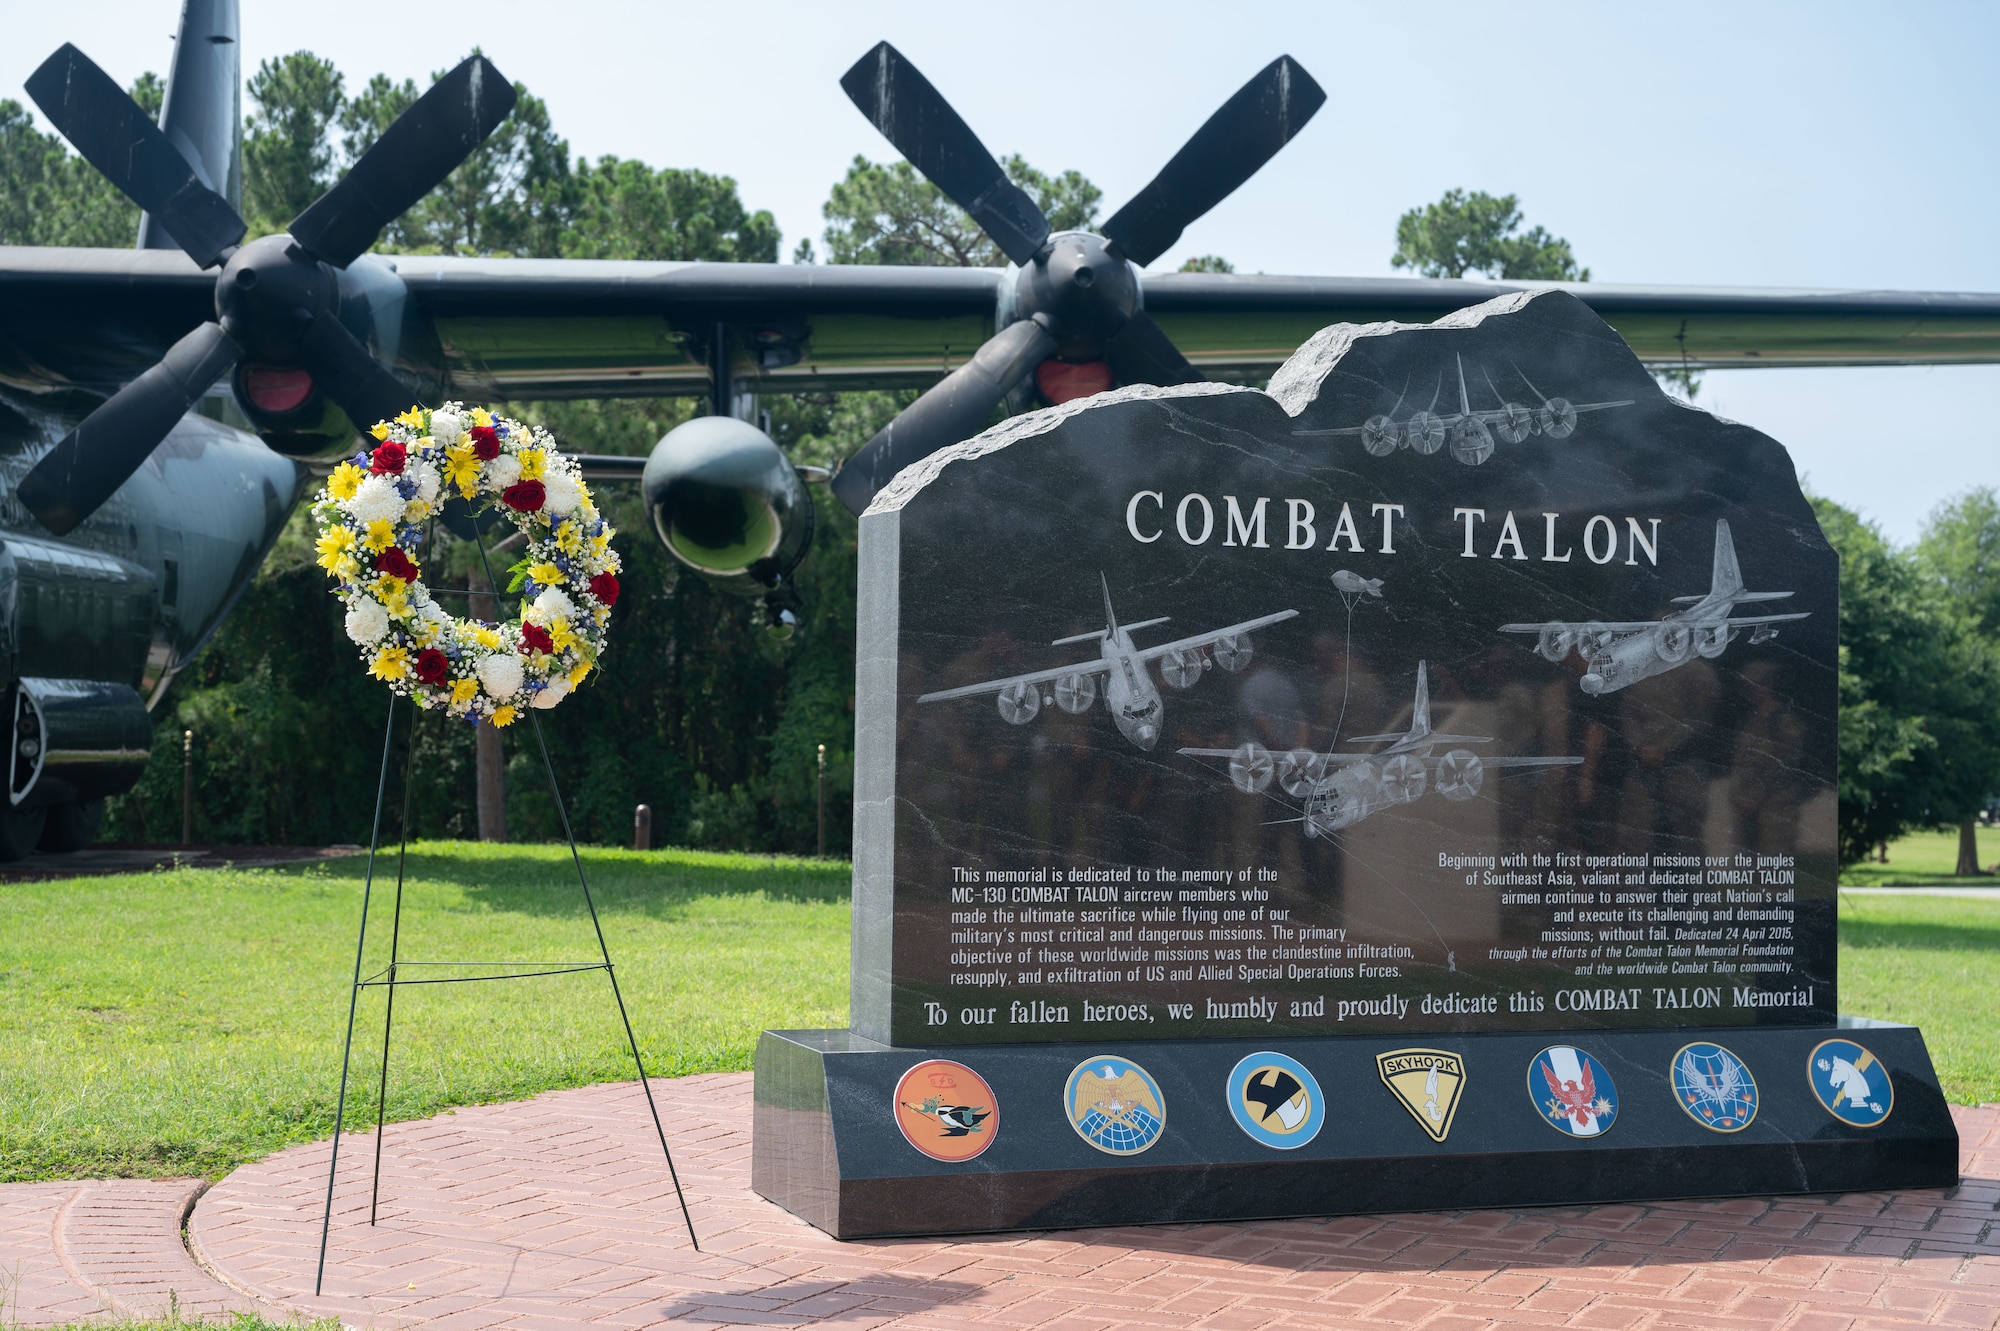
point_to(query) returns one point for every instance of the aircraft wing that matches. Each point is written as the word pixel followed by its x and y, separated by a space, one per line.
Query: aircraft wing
pixel 1768 619
pixel 1573 626
pixel 1097 667
pixel 1325 759
pixel 541 328
pixel 1207 639
pixel 1528 762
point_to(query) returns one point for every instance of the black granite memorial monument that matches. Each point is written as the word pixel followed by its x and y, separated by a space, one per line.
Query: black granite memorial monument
pixel 1410 786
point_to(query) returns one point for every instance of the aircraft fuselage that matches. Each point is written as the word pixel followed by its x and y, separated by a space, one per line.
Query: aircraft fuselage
pixel 1129 692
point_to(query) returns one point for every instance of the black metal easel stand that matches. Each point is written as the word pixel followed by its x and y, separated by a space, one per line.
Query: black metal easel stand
pixel 390 978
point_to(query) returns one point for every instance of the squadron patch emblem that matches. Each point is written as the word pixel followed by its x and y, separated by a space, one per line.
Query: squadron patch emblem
pixel 1715 1087
pixel 1276 1100
pixel 1115 1105
pixel 1572 1091
pixel 1428 1082
pixel 946 1110
pixel 1851 1083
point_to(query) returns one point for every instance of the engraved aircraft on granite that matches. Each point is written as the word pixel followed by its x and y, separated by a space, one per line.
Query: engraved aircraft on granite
pixel 1129 693
pixel 1340 789
pixel 1618 654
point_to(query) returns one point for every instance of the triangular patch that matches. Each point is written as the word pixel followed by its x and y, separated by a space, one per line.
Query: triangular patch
pixel 1428 1082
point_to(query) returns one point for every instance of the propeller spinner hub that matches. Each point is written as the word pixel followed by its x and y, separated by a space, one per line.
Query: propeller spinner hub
pixel 1084 287
pixel 268 293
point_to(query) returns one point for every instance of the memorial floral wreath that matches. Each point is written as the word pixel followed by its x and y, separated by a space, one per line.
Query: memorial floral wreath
pixel 371 517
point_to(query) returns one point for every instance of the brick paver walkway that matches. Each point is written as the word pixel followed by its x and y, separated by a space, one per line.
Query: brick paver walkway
pixel 557 1213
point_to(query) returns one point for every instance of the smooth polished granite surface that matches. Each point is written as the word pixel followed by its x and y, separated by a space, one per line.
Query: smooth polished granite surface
pixel 1462 665
pixel 827 1146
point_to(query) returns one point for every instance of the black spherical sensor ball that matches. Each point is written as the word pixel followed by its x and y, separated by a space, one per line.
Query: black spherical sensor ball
pixel 729 504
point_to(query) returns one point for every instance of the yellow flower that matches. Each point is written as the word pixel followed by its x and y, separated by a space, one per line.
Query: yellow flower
pixel 379 536
pixel 561 635
pixel 414 418
pixel 533 463
pixel 346 479
pixel 389 663
pixel 504 714
pixel 461 468
pixel 346 569
pixel 332 547
pixel 547 574
pixel 463 691
pixel 380 430
pixel 569 538
pixel 600 542
pixel 481 416
pixel 416 511
pixel 387 584
pixel 576 676
pixel 488 638
pixel 600 613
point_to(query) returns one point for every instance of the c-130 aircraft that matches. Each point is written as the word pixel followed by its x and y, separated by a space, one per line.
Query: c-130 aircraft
pixel 134 506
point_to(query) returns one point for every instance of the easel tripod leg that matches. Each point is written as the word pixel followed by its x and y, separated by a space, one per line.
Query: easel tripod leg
pixel 354 997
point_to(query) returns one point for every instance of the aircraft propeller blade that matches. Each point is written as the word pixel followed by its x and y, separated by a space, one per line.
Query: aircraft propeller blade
pixel 1237 140
pixel 953 409
pixel 353 378
pixel 901 103
pixel 102 452
pixel 424 145
pixel 1140 352
pixel 115 135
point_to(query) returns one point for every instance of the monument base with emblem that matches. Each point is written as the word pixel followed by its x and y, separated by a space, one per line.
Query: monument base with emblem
pixel 825 1148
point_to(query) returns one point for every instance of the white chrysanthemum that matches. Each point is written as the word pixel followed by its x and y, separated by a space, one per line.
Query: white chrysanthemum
pixel 377 500
pixel 426 477
pixel 557 690
pixel 446 427
pixel 562 493
pixel 552 605
pixel 367 621
pixel 502 472
pixel 500 676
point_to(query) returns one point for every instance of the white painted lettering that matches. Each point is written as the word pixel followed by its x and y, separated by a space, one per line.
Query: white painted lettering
pixel 1299 514
pixel 1207 519
pixel 1549 555
pixel 1239 526
pixel 1640 541
pixel 1389 512
pixel 1509 535
pixel 1468 514
pixel 1610 540
pixel 1345 527
pixel 1132 515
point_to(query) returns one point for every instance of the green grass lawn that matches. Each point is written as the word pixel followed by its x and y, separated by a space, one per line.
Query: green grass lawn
pixel 182 1022
pixel 186 1021
pixel 1926 859
pixel 1933 962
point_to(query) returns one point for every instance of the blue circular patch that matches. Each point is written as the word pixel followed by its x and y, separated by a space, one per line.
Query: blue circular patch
pixel 1851 1083
pixel 1572 1092
pixel 1115 1105
pixel 1276 1100
pixel 1714 1086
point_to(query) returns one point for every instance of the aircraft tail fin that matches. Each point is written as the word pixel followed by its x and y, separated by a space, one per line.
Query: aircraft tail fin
pixel 1420 719
pixel 1728 578
pixel 203 113
pixel 1110 615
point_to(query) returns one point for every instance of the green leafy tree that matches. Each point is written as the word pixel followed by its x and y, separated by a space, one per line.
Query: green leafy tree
pixel 1477 233
pixel 1208 263
pixel 50 196
pixel 1960 547
pixel 1919 736
pixel 288 150
pixel 628 210
pixel 887 213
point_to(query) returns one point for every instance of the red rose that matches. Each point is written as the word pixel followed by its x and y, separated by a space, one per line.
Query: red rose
pixel 485 442
pixel 524 496
pixel 605 588
pixel 537 639
pixel 396 564
pixel 432 667
pixel 388 459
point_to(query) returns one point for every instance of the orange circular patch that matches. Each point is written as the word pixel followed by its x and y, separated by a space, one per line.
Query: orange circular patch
pixel 946 1110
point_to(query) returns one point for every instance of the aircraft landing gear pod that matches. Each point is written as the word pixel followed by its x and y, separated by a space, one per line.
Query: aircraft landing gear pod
pixel 729 504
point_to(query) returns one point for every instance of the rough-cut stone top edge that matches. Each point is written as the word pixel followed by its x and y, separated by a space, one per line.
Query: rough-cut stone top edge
pixel 1293 388
pixel 917 475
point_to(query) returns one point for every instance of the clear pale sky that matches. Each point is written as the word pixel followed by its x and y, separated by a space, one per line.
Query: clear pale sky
pixel 1820 145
